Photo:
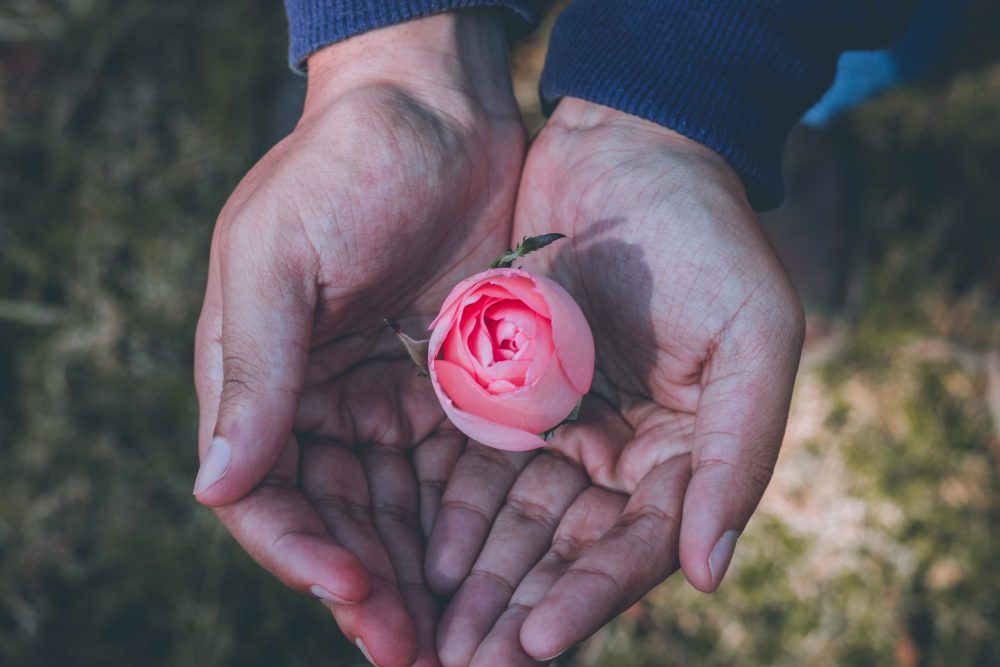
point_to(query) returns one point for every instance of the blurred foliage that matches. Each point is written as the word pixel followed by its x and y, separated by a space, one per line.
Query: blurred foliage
pixel 124 126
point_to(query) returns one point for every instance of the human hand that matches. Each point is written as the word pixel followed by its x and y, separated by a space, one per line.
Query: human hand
pixel 318 441
pixel 698 333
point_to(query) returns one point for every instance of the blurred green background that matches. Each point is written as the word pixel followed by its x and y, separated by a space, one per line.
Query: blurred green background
pixel 123 128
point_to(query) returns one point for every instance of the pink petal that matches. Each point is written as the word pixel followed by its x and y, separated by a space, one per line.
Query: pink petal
pixel 462 341
pixel 539 350
pixel 455 349
pixel 506 329
pixel 512 314
pixel 481 430
pixel 521 286
pixel 513 371
pixel 518 284
pixel 451 302
pixel 534 409
pixel 571 335
pixel 481 345
pixel 500 387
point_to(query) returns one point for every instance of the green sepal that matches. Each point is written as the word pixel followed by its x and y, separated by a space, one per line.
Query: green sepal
pixel 548 435
pixel 417 349
pixel 527 245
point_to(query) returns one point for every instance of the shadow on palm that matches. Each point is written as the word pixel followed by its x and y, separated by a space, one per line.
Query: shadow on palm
pixel 640 410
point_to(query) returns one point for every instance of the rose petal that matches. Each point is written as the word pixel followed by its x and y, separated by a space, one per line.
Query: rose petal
pixel 512 315
pixel 535 410
pixel 519 284
pixel 481 430
pixel 481 345
pixel 456 346
pixel 513 371
pixel 571 335
pixel 540 351
pixel 500 387
pixel 452 301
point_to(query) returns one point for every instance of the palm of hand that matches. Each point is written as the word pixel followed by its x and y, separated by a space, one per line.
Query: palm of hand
pixel 370 443
pixel 687 307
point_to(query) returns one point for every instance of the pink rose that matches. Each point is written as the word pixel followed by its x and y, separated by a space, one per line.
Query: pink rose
pixel 510 356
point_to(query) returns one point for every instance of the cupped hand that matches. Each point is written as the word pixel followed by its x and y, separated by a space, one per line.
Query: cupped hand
pixel 322 451
pixel 698 333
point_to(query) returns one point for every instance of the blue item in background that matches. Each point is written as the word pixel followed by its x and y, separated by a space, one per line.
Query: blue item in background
pixel 863 74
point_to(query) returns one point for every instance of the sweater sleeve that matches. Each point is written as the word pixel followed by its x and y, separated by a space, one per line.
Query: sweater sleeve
pixel 734 75
pixel 313 24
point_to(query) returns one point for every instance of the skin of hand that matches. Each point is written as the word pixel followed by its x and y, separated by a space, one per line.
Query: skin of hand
pixel 323 453
pixel 698 334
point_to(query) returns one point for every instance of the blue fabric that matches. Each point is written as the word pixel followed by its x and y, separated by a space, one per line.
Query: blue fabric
pixel 734 75
pixel 313 24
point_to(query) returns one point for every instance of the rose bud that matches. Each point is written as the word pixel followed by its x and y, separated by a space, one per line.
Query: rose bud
pixel 510 357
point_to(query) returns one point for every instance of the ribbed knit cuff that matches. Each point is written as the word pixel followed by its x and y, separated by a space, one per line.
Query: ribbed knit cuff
pixel 313 24
pixel 734 75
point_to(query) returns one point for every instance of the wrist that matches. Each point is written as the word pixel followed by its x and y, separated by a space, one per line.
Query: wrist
pixel 456 55
pixel 576 115
pixel 573 113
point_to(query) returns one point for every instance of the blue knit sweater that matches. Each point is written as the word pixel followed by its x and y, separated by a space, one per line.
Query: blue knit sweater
pixel 734 75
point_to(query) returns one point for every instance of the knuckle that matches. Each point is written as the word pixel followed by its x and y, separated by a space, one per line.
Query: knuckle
pixel 292 541
pixel 750 474
pixel 436 486
pixel 531 512
pixel 494 462
pixel 593 573
pixel 568 548
pixel 333 504
pixel 495 578
pixel 465 507
pixel 393 513
pixel 241 374
pixel 648 529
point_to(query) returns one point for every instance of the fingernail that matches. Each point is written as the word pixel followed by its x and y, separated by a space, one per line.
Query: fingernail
pixel 324 594
pixel 364 651
pixel 214 465
pixel 555 656
pixel 722 554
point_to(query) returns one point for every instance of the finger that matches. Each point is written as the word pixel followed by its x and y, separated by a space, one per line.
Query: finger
pixel 208 355
pixel 397 419
pixel 269 296
pixel 738 429
pixel 475 492
pixel 590 516
pixel 274 523
pixel 393 495
pixel 637 553
pixel 434 460
pixel 502 645
pixel 279 528
pixel 334 480
pixel 521 535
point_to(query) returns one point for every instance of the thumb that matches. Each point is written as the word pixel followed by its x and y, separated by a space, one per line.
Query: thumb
pixel 738 431
pixel 268 303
